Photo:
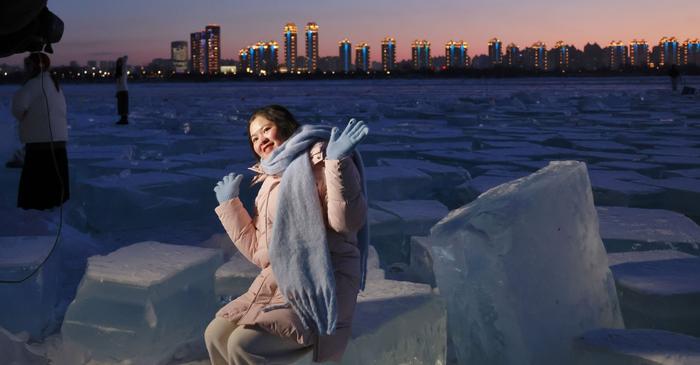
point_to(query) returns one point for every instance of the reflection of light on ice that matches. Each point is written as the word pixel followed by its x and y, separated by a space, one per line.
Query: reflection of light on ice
pixel 101 328
pixel 443 254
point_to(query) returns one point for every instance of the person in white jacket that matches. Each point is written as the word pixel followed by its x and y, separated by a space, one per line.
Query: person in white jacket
pixel 40 108
pixel 120 75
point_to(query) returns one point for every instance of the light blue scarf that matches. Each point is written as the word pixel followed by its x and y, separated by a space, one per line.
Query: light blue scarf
pixel 298 247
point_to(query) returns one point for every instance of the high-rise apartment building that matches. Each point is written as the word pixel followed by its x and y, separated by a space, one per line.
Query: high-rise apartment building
pixel 495 51
pixel 362 57
pixel 254 59
pixel 456 54
pixel 691 52
pixel 388 54
pixel 616 53
pixel 178 56
pixel 514 58
pixel 345 53
pixel 260 58
pixel 197 54
pixel 205 50
pixel 535 56
pixel 311 47
pixel 213 48
pixel 244 60
pixel 290 47
pixel 420 54
pixel 270 57
pixel 669 52
pixel 639 53
pixel 559 56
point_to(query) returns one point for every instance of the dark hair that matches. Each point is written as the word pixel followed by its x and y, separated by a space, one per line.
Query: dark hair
pixel 39 62
pixel 283 119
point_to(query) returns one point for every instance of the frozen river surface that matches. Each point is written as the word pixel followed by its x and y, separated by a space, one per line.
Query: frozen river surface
pixel 434 145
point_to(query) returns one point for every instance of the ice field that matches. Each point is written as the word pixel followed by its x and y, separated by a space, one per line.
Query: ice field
pixel 587 262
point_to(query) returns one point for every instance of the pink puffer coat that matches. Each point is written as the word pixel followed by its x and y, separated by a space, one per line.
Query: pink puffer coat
pixel 340 192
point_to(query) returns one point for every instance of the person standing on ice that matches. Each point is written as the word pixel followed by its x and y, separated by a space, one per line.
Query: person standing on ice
pixel 308 235
pixel 675 75
pixel 120 74
pixel 40 108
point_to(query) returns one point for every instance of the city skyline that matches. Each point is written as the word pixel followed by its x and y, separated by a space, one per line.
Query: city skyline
pixel 97 31
pixel 616 55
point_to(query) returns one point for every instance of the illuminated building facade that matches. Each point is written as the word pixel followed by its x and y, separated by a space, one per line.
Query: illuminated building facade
pixel 178 56
pixel 260 58
pixel 290 47
pixel 197 54
pixel 205 48
pixel 388 54
pixel 616 54
pixel 559 56
pixel 212 35
pixel 420 54
pixel 514 58
pixel 311 47
pixel 495 51
pixel 254 59
pixel 362 60
pixel 270 59
pixel 691 52
pixel 456 54
pixel 639 53
pixel 535 56
pixel 244 59
pixel 345 53
pixel 670 52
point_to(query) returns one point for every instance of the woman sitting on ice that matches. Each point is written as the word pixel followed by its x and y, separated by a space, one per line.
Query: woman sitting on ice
pixel 309 237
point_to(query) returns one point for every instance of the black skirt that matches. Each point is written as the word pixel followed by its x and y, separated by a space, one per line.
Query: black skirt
pixel 40 186
pixel 123 103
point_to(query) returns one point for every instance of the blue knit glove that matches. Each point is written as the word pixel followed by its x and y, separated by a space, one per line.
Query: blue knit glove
pixel 342 144
pixel 228 187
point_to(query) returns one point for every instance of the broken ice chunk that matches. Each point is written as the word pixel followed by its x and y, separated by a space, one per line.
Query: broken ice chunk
pixel 524 270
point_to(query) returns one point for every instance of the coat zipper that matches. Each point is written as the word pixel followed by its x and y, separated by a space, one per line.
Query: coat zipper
pixel 257 293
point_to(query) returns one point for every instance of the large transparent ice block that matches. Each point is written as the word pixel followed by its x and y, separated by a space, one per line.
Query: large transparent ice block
pixel 524 270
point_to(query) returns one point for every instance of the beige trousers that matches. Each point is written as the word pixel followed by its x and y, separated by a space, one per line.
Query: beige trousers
pixel 230 344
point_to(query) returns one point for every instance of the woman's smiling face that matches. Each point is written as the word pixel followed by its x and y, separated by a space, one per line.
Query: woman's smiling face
pixel 265 136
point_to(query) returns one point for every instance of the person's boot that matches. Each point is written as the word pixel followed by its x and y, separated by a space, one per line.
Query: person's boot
pixel 123 120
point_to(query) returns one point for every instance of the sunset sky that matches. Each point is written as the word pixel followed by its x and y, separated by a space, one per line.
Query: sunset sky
pixel 102 30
